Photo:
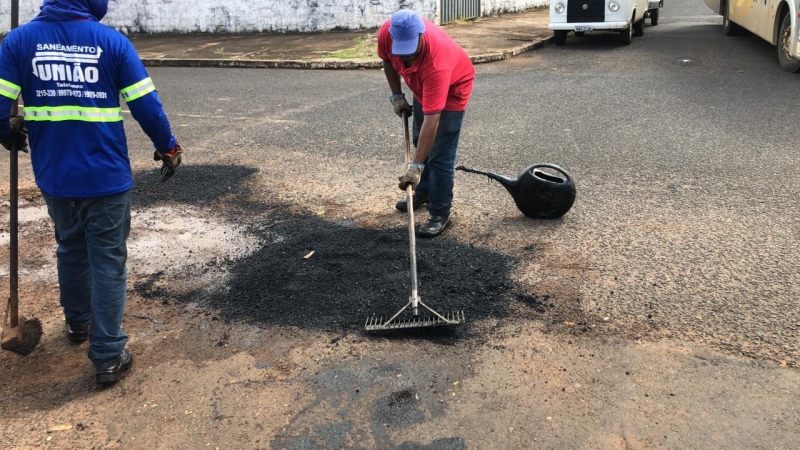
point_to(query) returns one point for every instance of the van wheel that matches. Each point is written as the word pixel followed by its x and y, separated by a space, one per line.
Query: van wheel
pixel 788 63
pixel 560 37
pixel 638 28
pixel 580 33
pixel 653 17
pixel 626 35
pixel 729 28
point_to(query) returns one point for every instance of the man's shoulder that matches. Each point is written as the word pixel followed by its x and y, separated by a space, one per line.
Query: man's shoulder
pixel 383 40
pixel 437 31
pixel 383 31
pixel 22 31
pixel 110 32
pixel 35 29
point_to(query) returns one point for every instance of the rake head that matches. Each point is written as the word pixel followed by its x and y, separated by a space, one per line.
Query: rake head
pixel 396 323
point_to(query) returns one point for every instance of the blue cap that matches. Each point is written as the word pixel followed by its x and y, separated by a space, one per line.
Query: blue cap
pixel 405 28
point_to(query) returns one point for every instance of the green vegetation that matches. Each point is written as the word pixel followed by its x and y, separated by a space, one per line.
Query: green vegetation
pixel 365 47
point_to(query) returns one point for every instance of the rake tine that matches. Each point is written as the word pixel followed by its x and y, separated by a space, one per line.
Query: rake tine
pixel 379 323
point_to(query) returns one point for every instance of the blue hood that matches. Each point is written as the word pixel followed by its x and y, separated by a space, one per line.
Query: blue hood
pixel 54 10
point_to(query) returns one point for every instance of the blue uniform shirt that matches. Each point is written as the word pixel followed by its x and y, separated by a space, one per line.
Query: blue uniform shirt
pixel 71 74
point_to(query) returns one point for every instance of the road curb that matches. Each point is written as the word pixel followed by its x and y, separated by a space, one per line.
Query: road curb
pixel 508 54
pixel 265 63
pixel 339 64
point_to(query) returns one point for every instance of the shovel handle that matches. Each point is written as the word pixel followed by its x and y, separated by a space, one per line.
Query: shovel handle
pixel 13 276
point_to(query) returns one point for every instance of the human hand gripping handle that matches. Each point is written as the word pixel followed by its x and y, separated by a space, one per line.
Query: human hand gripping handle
pixel 412 176
pixel 413 170
pixel 17 139
pixel 169 160
pixel 400 105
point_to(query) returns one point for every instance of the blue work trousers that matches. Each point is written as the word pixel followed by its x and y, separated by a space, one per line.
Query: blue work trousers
pixel 439 174
pixel 92 252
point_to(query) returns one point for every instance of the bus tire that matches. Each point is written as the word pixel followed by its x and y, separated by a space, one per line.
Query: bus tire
pixel 788 64
pixel 729 28
pixel 560 37
pixel 638 28
pixel 653 17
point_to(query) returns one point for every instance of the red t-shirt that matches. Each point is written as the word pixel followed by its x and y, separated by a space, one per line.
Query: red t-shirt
pixel 442 75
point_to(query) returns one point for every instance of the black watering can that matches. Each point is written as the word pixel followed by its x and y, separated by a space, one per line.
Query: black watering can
pixel 538 194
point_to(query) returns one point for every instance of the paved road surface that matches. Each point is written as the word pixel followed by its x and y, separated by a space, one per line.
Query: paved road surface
pixel 661 312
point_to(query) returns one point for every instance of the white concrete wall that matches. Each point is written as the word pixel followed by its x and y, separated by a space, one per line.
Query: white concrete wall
pixel 495 7
pixel 243 16
pixel 28 9
pixel 239 16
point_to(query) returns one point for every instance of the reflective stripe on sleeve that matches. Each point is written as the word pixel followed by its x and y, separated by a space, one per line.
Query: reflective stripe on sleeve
pixel 9 89
pixel 79 113
pixel 138 90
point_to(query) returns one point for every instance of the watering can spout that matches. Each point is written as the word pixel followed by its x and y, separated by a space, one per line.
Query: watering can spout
pixel 512 186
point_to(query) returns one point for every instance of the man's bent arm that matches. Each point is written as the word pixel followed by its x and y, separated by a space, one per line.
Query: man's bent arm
pixel 139 92
pixel 392 77
pixel 427 134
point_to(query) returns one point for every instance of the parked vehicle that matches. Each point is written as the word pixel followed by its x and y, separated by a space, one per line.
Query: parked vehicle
pixel 579 16
pixel 775 21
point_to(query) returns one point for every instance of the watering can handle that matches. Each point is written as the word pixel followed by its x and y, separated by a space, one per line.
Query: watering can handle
pixel 554 167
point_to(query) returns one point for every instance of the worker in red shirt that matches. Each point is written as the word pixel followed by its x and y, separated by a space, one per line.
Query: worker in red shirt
pixel 440 75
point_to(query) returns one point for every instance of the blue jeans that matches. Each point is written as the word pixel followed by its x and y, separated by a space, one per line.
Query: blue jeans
pixel 91 235
pixel 440 173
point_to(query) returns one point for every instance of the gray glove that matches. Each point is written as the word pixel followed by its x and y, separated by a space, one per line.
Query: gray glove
pixel 412 176
pixel 400 104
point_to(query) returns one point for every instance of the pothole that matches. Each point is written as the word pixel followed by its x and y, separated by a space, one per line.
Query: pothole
pixel 169 238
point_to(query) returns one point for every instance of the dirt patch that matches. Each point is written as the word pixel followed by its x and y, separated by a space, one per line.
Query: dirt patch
pixel 167 237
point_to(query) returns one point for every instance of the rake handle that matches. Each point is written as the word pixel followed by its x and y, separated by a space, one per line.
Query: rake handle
pixel 412 241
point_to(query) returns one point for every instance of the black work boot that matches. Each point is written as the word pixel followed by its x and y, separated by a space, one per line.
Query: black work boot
pixel 111 371
pixel 77 333
pixel 434 226
pixel 418 198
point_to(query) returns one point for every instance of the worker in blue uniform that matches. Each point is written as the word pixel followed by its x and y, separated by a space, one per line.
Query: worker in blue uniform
pixel 70 70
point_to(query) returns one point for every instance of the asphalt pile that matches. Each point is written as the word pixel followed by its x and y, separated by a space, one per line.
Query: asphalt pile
pixel 352 274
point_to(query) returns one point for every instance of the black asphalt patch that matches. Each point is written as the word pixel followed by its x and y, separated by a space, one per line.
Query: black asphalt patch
pixel 353 273
pixel 199 185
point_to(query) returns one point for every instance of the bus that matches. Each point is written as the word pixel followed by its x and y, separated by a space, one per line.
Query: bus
pixel 775 21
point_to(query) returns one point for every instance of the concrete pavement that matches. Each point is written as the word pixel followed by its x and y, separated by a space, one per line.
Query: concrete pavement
pixel 485 40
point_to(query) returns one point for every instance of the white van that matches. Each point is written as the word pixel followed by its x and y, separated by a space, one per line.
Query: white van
pixel 625 16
